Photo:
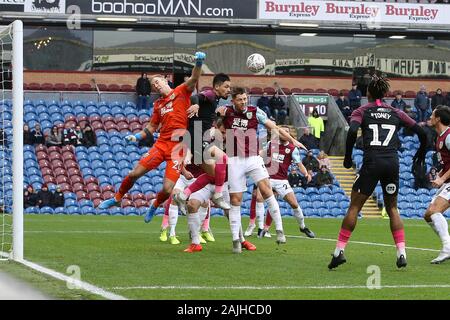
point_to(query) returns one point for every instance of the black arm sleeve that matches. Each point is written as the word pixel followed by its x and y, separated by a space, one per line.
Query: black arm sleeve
pixel 351 138
pixel 195 99
pixel 422 139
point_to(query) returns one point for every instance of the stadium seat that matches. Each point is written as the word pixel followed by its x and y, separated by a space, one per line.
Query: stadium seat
pixel 114 87
pixel 59 87
pixel 269 90
pixel 73 87
pixel 85 87
pixel 127 88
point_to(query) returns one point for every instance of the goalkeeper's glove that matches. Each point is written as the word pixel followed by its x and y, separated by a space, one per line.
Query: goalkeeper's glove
pixel 199 58
pixel 134 137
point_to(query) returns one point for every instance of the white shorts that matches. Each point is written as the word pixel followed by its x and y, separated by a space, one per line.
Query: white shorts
pixel 239 169
pixel 443 192
pixel 205 194
pixel 282 187
pixel 183 183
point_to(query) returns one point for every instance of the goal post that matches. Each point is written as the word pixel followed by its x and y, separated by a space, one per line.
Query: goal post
pixel 17 154
pixel 11 144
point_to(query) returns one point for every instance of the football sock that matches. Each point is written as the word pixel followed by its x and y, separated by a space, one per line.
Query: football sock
pixel 274 210
pixel 441 226
pixel 165 219
pixel 160 198
pixel 173 218
pixel 344 236
pixel 203 213
pixel 126 185
pixel 298 214
pixel 399 239
pixel 235 221
pixel 220 172
pixel 253 210
pixel 268 222
pixel 260 214
pixel 194 225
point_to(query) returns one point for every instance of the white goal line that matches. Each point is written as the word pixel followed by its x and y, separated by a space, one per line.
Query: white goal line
pixel 74 282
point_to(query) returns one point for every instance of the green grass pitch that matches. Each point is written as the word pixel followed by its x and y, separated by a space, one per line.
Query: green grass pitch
pixel 124 255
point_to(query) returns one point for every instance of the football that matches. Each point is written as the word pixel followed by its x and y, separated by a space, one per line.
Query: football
pixel 256 62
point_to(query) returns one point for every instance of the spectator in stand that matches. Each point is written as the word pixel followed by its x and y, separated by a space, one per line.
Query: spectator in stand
pixel 344 106
pixel 432 175
pixel 398 102
pixel 58 198
pixel 143 91
pixel 69 137
pixel 308 140
pixel 310 162
pixel 431 135
pixel 354 97
pixel 316 123
pixel 89 137
pixel 44 197
pixel 169 82
pixel 359 143
pixel 29 197
pixel 364 82
pixel 422 104
pixel 38 135
pixel 53 138
pixel 313 182
pixel 323 177
pixel 412 115
pixel 79 135
pixel 294 179
pixel 324 160
pixel 438 99
pixel 27 137
pixel 447 99
pixel 278 108
pixel 264 105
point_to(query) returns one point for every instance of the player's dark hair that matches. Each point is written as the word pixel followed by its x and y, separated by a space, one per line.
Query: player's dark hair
pixel 219 122
pixel 237 91
pixel 220 78
pixel 443 113
pixel 378 87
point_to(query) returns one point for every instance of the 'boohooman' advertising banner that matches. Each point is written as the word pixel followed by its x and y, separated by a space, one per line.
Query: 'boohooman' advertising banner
pixel 360 12
pixel 208 9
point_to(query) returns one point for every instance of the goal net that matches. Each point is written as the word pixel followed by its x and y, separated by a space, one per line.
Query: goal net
pixel 11 141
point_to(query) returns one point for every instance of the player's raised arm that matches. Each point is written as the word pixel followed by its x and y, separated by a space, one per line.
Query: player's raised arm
pixel 196 71
pixel 269 124
pixel 148 130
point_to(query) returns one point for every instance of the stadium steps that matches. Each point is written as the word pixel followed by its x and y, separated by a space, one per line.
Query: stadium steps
pixel 346 177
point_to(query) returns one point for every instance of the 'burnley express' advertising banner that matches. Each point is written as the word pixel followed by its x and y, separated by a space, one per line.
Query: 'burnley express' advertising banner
pixel 360 12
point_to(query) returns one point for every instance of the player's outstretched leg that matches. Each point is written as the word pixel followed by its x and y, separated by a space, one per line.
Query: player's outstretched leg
pixel 433 216
pixel 398 232
pixel 126 185
pixel 298 214
pixel 162 196
pixel 273 207
pixel 347 227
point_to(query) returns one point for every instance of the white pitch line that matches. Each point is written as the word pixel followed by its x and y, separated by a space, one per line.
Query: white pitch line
pixel 276 287
pixel 366 243
pixel 74 282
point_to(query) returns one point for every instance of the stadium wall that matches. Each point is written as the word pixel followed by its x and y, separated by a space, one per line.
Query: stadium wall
pixel 130 78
